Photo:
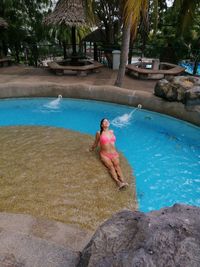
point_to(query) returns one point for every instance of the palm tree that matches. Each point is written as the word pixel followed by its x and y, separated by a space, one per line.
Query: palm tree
pixel 186 18
pixel 186 14
pixel 133 12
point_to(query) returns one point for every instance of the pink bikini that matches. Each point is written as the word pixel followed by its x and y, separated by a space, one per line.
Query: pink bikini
pixel 104 139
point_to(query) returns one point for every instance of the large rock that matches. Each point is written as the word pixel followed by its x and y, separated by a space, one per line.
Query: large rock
pixel 185 89
pixel 169 237
pixel 193 95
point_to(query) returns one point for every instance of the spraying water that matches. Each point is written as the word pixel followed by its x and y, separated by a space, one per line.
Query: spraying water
pixel 124 120
pixel 54 104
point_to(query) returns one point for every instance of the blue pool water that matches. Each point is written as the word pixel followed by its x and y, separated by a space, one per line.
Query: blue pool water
pixel 189 66
pixel 163 152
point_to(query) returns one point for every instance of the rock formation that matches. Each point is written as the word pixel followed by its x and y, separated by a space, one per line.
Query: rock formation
pixel 185 89
pixel 168 237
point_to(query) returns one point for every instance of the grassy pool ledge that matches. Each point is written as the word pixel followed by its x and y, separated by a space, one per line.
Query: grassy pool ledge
pixel 102 93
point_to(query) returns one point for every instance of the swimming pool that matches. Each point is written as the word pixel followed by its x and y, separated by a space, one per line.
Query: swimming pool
pixel 189 66
pixel 163 152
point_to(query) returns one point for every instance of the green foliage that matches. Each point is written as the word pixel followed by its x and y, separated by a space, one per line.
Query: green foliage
pixel 175 29
pixel 25 29
pixel 178 29
pixel 107 15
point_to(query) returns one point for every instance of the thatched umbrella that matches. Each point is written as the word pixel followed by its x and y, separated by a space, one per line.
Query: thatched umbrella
pixel 68 12
pixel 96 36
pixel 3 23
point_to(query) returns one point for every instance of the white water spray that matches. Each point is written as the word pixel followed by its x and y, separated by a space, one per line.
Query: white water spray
pixel 124 120
pixel 54 104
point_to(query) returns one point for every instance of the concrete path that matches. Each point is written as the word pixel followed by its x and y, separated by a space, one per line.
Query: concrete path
pixel 105 76
pixel 26 241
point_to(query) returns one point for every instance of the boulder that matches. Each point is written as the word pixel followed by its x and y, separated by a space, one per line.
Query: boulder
pixel 170 90
pixel 193 96
pixel 168 237
pixel 185 89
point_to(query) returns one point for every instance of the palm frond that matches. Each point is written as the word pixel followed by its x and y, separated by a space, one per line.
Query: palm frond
pixel 135 9
pixel 186 16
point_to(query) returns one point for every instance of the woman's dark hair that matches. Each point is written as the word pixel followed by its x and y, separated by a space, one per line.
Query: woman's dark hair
pixel 101 128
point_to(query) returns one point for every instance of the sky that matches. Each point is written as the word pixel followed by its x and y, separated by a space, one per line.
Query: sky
pixel 170 2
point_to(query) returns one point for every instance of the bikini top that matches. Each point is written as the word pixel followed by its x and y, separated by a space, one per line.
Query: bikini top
pixel 104 139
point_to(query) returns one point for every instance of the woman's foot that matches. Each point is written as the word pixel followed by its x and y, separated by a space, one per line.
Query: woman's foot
pixel 123 186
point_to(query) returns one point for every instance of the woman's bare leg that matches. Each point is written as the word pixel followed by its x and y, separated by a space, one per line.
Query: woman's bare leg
pixel 108 163
pixel 118 170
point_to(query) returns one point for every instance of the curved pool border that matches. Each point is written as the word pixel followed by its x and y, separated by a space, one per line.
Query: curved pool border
pixel 102 93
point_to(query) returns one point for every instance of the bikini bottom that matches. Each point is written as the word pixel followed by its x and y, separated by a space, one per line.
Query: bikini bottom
pixel 109 155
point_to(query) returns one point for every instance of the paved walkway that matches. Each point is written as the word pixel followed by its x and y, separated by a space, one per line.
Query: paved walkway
pixel 105 76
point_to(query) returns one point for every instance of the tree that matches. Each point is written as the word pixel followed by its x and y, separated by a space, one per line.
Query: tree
pixel 180 30
pixel 24 18
pixel 133 12
pixel 186 15
pixel 108 16
pixel 62 34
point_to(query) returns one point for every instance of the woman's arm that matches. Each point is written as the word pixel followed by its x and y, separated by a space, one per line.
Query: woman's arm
pixel 96 142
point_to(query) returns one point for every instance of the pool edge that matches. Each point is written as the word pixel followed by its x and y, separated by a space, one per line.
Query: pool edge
pixel 105 93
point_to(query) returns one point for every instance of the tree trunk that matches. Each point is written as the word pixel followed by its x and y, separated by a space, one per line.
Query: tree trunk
pixel 130 52
pixel 95 52
pixel 73 41
pixel 5 48
pixel 196 62
pixel 64 49
pixel 17 52
pixel 35 53
pixel 124 53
